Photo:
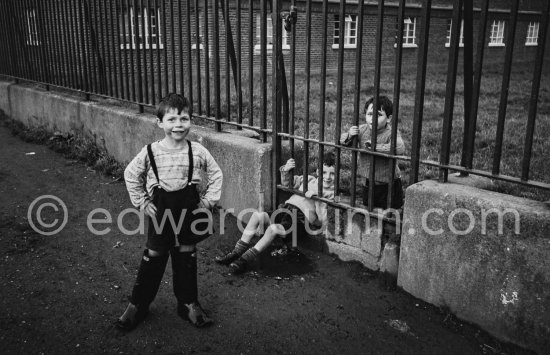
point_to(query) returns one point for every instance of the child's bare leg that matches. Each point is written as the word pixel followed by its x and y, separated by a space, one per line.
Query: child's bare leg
pixel 270 234
pixel 257 220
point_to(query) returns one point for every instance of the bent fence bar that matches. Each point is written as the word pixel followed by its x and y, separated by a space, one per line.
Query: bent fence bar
pixel 275 62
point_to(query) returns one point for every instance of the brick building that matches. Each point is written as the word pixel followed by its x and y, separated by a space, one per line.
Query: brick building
pixel 123 39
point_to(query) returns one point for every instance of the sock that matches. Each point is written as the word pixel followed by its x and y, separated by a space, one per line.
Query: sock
pixel 241 247
pixel 250 255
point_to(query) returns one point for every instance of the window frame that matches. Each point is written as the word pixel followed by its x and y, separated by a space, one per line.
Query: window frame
pixel 269 45
pixel 532 37
pixel 348 22
pixel 130 18
pixel 32 27
pixel 412 21
pixel 449 29
pixel 497 40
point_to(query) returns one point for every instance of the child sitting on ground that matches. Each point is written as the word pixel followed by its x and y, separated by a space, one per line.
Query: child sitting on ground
pixel 382 166
pixel 298 214
pixel 162 180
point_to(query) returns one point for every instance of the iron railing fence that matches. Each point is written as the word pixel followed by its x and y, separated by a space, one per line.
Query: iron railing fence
pixel 236 61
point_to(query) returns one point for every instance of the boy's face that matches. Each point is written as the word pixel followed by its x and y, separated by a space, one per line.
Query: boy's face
pixel 176 126
pixel 382 117
pixel 328 177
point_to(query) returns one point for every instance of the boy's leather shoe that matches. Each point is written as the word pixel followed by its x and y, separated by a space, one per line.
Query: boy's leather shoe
pixel 238 266
pixel 133 315
pixel 227 258
pixel 195 314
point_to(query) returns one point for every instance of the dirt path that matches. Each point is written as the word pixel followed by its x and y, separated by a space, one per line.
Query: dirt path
pixel 61 293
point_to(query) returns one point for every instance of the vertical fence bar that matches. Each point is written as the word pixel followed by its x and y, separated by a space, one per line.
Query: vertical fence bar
pixel 206 58
pixel 227 28
pixel 5 49
pixel 113 37
pixel 108 42
pixel 482 34
pixel 198 48
pixel 375 104
pixel 137 39
pixel 119 30
pixel 537 76
pixel 49 13
pixel 308 87
pixel 510 36
pixel 292 25
pixel 98 69
pixel 419 96
pixel 357 96
pixel 159 42
pixel 182 78
pixel 189 57
pixel 66 57
pixel 276 96
pixel 151 44
pixel 87 47
pixel 250 62
pixel 144 47
pixel 322 98
pixel 124 48
pixel 41 30
pixel 173 43
pixel 165 49
pixel 468 73
pixel 215 18
pixel 22 43
pixel 76 47
pixel 450 89
pixel 86 62
pixel 239 59
pixel 396 94
pixel 263 67
pixel 133 45
pixel 16 40
pixel 100 30
pixel 339 92
pixel 71 43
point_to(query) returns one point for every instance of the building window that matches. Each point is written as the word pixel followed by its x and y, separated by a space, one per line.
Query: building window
pixel 269 39
pixel 32 28
pixel 198 36
pixel 497 34
pixel 133 32
pixel 532 34
pixel 449 26
pixel 409 32
pixel 350 31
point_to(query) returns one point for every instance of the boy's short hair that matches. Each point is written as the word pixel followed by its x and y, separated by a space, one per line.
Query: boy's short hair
pixel 172 101
pixel 384 103
pixel 328 159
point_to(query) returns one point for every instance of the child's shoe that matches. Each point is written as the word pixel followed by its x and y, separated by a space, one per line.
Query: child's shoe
pixel 195 314
pixel 133 315
pixel 240 248
pixel 227 258
pixel 238 266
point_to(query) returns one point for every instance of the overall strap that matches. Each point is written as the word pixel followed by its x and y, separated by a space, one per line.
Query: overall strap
pixel 190 177
pixel 152 160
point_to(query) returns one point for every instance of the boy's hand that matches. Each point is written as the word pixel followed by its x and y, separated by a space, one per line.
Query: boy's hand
pixel 353 131
pixel 151 210
pixel 310 194
pixel 290 164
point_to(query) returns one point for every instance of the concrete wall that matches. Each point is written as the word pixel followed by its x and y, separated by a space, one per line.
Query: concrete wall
pixel 499 280
pixel 245 162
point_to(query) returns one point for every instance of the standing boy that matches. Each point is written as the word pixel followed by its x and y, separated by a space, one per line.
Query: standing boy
pixel 298 214
pixel 162 180
pixel 382 166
